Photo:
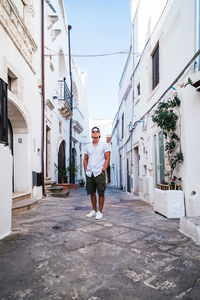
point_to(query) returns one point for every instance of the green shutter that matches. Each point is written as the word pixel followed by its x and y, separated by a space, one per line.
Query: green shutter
pixel 161 156
pixel 155 160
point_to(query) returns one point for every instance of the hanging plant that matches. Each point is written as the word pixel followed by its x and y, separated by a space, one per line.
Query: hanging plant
pixel 195 84
pixel 165 116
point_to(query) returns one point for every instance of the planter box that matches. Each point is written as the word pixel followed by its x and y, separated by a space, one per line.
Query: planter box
pixel 73 186
pixel 68 186
pixel 169 203
pixel 65 186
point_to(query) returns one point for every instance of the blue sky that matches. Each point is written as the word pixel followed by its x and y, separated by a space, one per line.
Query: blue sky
pixel 100 26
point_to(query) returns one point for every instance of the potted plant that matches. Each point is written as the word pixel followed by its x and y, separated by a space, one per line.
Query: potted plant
pixel 195 82
pixel 62 177
pixel 72 170
pixel 168 197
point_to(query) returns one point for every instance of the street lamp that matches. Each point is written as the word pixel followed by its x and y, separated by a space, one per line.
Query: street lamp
pixel 71 103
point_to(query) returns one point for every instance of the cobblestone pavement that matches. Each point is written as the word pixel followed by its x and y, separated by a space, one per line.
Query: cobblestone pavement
pixel 55 252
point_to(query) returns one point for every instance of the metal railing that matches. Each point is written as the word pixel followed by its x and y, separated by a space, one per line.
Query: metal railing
pixel 64 92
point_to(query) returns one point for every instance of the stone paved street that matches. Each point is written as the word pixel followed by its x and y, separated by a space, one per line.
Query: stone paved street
pixel 55 252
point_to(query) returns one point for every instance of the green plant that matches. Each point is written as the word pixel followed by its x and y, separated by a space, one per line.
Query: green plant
pixel 165 116
pixel 189 82
pixel 62 173
pixel 73 170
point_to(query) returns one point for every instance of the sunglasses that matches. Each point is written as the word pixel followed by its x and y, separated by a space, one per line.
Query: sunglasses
pixel 94 131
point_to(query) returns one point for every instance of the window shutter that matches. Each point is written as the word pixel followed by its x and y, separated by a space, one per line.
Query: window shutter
pixel 3 113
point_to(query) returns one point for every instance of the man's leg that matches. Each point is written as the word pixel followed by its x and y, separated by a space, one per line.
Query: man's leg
pixel 94 201
pixel 101 202
pixel 101 186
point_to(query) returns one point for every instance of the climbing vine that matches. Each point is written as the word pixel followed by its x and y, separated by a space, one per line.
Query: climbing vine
pixel 166 117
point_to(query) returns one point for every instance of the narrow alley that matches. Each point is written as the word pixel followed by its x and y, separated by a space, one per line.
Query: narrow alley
pixel 55 252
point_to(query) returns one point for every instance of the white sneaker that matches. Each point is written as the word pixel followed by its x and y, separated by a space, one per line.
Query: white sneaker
pixel 91 214
pixel 99 215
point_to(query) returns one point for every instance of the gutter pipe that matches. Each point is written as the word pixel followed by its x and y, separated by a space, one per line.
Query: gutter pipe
pixel 198 27
pixel 71 102
pixel 43 94
pixel 197 33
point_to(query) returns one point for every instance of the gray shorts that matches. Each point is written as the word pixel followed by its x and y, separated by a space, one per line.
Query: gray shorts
pixel 96 183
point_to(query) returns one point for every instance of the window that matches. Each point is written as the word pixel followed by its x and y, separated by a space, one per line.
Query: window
pixel 9 82
pixel 60 126
pixel 3 113
pixel 12 82
pixel 122 125
pixel 155 67
pixel 138 89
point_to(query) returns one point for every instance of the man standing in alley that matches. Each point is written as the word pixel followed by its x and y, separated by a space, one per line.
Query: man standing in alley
pixel 96 160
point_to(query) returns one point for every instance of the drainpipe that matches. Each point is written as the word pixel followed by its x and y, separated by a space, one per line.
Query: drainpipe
pixel 43 94
pixel 133 100
pixel 197 34
pixel 71 102
pixel 198 26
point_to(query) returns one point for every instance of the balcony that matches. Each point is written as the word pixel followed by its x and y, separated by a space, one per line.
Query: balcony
pixel 77 126
pixel 64 97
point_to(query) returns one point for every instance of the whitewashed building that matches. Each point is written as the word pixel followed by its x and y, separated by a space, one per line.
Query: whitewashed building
pixel 80 119
pixel 163 55
pixel 20 105
pixel 33 140
pixel 57 93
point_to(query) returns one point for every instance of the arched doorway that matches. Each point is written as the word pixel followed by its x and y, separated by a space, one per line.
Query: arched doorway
pixel 19 143
pixel 10 136
pixel 10 144
pixel 61 163
pixel 74 167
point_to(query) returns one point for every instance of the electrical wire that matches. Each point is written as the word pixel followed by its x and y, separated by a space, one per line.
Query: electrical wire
pixel 93 55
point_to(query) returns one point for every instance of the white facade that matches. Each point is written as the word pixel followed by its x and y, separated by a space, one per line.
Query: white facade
pixel 172 27
pixel 21 69
pixel 58 110
pixel 20 59
pixel 80 119
pixel 5 191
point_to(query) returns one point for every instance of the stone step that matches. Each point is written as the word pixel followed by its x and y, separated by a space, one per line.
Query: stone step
pixel 20 196
pixel 55 189
pixel 49 182
pixel 62 194
pixel 190 226
pixel 24 205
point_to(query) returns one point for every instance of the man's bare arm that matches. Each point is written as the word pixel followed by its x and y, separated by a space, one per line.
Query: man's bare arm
pixel 107 161
pixel 85 162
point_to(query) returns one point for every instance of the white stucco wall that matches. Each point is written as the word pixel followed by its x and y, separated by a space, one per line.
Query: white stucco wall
pixel 5 191
pixel 191 146
pixel 25 96
pixel 175 51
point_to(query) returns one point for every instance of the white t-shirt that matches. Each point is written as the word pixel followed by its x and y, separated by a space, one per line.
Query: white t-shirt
pixel 96 157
